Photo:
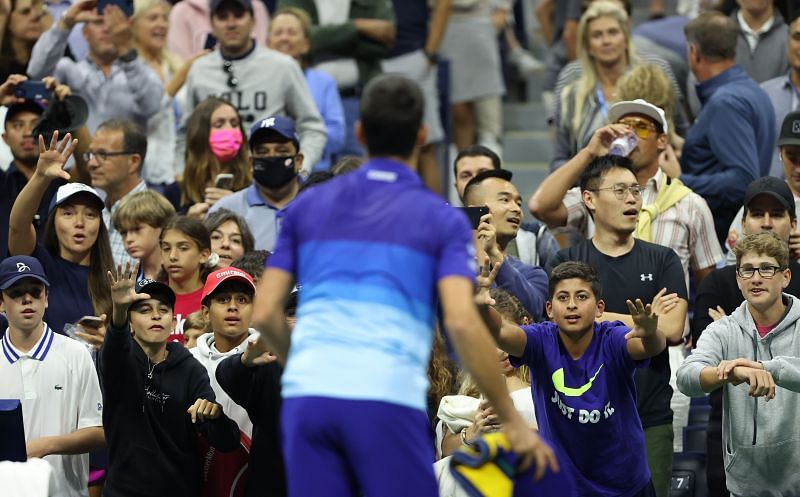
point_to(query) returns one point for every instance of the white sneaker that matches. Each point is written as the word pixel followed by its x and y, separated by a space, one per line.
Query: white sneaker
pixel 526 64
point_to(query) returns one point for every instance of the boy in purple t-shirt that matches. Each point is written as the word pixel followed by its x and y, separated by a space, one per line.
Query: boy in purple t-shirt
pixel 582 377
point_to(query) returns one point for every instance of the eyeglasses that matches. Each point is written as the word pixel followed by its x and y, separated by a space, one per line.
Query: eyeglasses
pixel 765 271
pixel 103 156
pixel 621 190
pixel 233 81
pixel 641 128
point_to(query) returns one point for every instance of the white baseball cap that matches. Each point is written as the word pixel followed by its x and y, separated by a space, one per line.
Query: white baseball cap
pixel 66 192
pixel 638 106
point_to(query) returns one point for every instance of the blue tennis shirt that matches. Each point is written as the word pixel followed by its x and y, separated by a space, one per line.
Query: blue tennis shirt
pixel 368 249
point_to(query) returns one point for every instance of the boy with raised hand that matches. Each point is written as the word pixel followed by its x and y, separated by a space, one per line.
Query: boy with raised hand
pixel 582 378
pixel 157 396
pixel 52 375
pixel 758 344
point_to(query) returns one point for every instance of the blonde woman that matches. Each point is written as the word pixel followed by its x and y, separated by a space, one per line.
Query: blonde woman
pixel 150 31
pixel 605 54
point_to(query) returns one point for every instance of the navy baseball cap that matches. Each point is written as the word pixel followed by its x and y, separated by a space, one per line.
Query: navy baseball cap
pixel 26 106
pixel 13 269
pixel 66 192
pixel 281 125
pixel 216 4
pixel 157 290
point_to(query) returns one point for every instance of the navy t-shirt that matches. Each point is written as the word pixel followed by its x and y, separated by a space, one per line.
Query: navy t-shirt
pixel 68 299
pixel 587 407
pixel 641 273
pixel 411 19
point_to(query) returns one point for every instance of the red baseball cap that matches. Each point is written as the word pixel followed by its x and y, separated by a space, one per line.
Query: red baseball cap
pixel 219 276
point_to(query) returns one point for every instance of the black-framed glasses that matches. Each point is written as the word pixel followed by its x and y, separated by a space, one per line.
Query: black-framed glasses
pixel 765 271
pixel 620 190
pixel 103 156
pixel 233 81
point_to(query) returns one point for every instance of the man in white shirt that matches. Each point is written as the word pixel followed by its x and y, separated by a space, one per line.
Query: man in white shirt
pixel 52 375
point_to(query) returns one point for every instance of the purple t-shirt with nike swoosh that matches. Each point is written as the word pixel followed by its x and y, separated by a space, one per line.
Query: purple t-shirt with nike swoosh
pixel 587 407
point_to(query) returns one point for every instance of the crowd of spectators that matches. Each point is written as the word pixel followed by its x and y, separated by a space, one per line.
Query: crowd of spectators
pixel 227 266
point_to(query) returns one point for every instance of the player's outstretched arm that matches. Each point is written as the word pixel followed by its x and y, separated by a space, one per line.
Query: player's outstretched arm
pixel 269 317
pixel 474 345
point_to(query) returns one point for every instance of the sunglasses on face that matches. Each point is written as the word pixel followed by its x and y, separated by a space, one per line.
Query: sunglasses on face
pixel 20 291
pixel 640 128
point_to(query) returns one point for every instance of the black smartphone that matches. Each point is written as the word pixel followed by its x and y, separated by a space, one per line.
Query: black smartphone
pixel 32 90
pixel 211 42
pixel 224 181
pixel 125 5
pixel 474 214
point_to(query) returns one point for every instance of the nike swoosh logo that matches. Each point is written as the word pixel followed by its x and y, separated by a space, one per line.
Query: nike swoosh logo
pixel 558 383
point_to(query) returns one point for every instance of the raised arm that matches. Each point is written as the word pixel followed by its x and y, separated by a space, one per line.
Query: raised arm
pixel 472 343
pixel 142 82
pixel 547 202
pixel 21 233
pixel 50 47
pixel 644 340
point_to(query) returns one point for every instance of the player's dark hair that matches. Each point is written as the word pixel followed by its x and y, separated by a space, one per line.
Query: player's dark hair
pixel 575 270
pixel 391 115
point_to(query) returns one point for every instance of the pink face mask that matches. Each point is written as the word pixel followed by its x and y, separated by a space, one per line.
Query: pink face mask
pixel 225 143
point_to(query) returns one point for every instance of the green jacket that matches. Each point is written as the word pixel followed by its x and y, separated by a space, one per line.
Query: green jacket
pixel 342 40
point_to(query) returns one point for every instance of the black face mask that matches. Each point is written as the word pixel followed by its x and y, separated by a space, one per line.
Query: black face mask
pixel 274 172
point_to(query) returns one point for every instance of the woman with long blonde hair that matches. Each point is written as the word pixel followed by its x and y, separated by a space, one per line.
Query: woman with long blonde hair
pixel 605 53
pixel 150 30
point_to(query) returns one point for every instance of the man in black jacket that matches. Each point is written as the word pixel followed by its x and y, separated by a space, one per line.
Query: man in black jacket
pixel 769 206
pixel 157 397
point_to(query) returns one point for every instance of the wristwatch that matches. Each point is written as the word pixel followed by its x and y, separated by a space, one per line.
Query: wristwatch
pixel 433 57
pixel 130 56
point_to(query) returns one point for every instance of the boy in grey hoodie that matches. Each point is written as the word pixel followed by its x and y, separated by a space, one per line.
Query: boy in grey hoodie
pixel 759 344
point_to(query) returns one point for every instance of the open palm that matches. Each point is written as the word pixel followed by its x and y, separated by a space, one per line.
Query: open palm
pixel 123 284
pixel 644 319
pixel 52 160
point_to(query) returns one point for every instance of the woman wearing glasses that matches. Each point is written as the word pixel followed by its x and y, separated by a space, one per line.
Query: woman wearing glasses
pixel 214 146
pixel 74 248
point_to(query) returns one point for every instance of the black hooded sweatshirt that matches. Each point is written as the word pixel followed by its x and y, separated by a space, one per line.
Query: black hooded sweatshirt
pixel 258 390
pixel 152 442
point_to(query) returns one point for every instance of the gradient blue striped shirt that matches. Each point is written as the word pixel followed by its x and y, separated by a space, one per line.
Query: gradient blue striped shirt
pixel 368 249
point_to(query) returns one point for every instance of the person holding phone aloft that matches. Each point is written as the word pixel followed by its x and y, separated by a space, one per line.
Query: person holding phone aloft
pixel 115 82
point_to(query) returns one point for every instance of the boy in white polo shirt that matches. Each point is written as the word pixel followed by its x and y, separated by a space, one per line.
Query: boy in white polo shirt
pixel 52 375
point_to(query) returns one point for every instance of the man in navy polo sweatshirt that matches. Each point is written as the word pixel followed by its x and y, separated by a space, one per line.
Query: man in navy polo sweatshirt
pixel 731 142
